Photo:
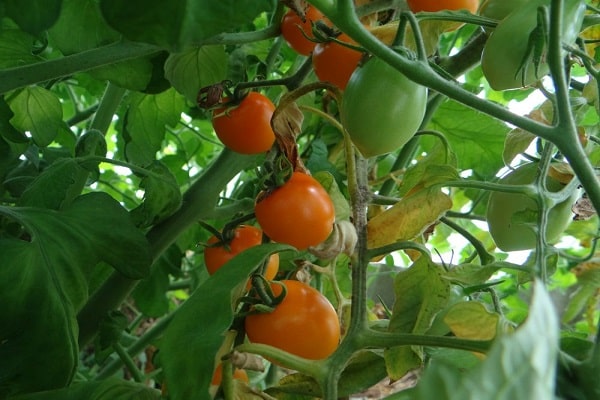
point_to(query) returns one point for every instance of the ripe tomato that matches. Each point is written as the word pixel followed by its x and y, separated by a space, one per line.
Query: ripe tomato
pixel 293 29
pixel 299 213
pixel 304 323
pixel 246 128
pixel 381 108
pixel 244 236
pixel 505 61
pixel 511 216
pixel 334 62
pixel 439 5
pixel 238 374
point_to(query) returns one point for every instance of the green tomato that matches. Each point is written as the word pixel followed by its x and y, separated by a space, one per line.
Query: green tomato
pixel 499 9
pixel 381 108
pixel 506 60
pixel 511 217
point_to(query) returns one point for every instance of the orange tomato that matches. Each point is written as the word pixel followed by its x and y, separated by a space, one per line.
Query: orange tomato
pixel 246 127
pixel 334 62
pixel 299 213
pixel 244 237
pixel 293 29
pixel 304 323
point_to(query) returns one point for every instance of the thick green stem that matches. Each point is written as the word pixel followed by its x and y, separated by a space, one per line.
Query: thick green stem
pixel 198 201
pixel 111 99
pixel 137 375
pixel 14 78
pixel 378 339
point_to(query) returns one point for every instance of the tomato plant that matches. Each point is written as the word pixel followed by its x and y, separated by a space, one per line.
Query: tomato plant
pixel 333 62
pixel 508 60
pixel 435 5
pixel 304 323
pixel 299 213
pixel 295 31
pixel 245 236
pixel 246 127
pixel 512 216
pixel 381 108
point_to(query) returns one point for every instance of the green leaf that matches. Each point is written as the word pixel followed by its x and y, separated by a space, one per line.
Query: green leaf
pixel 162 196
pixel 199 325
pixel 476 138
pixel 193 69
pixel 439 165
pixel 107 389
pixel 39 112
pixel 39 348
pixel 421 292
pixel 15 48
pixel 179 24
pixel 110 332
pixel 80 27
pixel 519 366
pixel 44 279
pixel 146 122
pixel 150 294
pixel 56 186
pixel 132 74
pixel 33 16
pixel 342 208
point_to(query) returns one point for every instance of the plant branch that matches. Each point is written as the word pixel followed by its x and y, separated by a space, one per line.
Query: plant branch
pixel 14 78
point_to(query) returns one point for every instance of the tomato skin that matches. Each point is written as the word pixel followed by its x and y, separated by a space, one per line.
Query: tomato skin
pixel 381 114
pixel 293 30
pixel 304 323
pixel 439 5
pixel 299 213
pixel 246 128
pixel 513 235
pixel 334 62
pixel 506 47
pixel 244 237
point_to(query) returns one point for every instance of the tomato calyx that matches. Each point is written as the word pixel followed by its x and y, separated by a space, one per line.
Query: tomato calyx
pixel 226 235
pixel 262 298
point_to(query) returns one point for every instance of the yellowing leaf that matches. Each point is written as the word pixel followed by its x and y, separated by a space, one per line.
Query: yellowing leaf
pixel 408 218
pixel 471 320
pixel 431 31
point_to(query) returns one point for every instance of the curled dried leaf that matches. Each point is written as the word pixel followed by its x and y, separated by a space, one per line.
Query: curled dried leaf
pixel 287 125
pixel 342 240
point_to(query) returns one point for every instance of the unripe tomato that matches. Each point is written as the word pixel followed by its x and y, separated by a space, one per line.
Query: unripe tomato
pixel 439 5
pixel 381 108
pixel 502 60
pixel 299 213
pixel 499 9
pixel 510 216
pixel 246 128
pixel 244 237
pixel 304 323
pixel 293 29
pixel 335 63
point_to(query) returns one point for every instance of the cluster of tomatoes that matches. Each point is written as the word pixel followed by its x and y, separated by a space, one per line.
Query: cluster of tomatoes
pixel 303 323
